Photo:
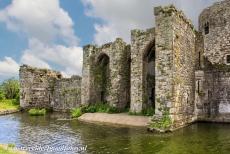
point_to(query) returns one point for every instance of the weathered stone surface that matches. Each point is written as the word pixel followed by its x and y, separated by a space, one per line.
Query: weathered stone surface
pixel 180 72
pixel 142 42
pixel 43 88
pixel 213 77
pixel 111 85
pixel 67 94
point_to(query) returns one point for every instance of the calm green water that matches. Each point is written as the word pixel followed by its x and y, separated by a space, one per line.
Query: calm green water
pixel 200 138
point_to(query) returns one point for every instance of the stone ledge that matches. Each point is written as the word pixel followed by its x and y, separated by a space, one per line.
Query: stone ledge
pixel 119 119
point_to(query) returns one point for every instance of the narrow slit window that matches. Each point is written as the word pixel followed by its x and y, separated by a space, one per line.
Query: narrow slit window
pixel 206 28
pixel 228 59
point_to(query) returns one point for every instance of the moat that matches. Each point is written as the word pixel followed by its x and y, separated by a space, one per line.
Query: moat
pixel 51 130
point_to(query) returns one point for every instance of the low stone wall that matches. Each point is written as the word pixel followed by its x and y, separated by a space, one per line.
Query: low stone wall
pixel 67 94
pixel 43 88
pixel 36 86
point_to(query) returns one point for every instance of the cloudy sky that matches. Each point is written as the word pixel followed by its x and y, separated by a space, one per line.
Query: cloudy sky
pixel 51 33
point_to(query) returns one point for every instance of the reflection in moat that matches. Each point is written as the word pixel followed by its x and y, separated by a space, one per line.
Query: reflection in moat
pixel 24 130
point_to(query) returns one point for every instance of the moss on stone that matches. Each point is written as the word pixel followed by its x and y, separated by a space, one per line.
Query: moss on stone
pixel 163 123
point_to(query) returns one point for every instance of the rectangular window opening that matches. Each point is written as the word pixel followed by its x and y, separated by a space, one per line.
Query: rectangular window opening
pixel 206 28
pixel 228 59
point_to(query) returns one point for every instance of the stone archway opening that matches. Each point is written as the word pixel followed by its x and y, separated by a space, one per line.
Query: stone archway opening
pixel 149 76
pixel 101 76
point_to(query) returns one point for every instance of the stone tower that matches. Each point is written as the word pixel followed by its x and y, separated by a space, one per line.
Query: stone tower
pixel 106 74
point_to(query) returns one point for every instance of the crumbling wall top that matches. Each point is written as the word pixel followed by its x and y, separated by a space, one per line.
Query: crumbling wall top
pixel 138 32
pixel 36 70
pixel 169 10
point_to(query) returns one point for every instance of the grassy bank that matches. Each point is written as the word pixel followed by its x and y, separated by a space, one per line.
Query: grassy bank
pixel 8 149
pixel 8 104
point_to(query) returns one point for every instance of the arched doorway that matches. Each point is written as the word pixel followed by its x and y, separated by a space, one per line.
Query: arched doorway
pixel 102 78
pixel 149 76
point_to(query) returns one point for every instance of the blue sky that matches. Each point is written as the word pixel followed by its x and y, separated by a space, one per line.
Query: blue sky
pixel 50 34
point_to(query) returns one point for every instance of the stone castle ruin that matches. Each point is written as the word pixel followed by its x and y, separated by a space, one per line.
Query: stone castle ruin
pixel 182 73
pixel 42 88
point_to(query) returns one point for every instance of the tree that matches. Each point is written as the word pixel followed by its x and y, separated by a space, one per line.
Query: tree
pixel 10 88
pixel 2 95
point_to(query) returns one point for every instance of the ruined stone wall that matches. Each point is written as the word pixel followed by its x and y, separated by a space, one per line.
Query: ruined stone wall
pixel 37 87
pixel 67 94
pixel 118 74
pixel 199 48
pixel 164 62
pixel 216 21
pixel 175 66
pixel 212 88
pixel 87 95
pixel 213 101
pixel 141 42
pixel 43 88
pixel 184 71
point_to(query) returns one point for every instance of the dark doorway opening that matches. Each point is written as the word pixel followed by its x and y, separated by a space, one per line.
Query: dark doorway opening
pixel 149 77
pixel 102 77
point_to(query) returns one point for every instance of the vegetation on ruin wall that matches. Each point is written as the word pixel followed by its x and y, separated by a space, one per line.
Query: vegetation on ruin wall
pixel 9 95
pixel 100 77
pixel 73 91
pixel 145 112
pixel 163 123
pixel 97 107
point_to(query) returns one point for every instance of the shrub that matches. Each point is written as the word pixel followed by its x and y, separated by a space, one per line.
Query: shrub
pixel 11 145
pixel 164 123
pixel 37 112
pixel 148 112
pixel 76 112
pixel 91 109
pixel 2 95
pixel 112 110
pixel 101 107
pixel 98 107
pixel 10 88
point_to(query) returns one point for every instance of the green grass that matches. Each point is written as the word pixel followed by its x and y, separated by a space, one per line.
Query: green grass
pixel 8 104
pixel 8 149
pixel 37 112
pixel 93 108
pixel 76 112
pixel 101 108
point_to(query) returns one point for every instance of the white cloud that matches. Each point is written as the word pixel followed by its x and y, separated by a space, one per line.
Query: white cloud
pixel 44 23
pixel 8 68
pixel 121 16
pixel 41 19
pixel 41 55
